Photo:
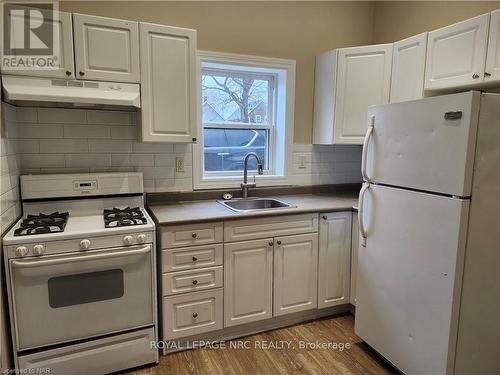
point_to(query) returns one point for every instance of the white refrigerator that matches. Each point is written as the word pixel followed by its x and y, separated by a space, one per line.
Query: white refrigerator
pixel 428 284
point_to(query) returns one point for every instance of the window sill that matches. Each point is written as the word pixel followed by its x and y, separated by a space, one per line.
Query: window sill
pixel 232 182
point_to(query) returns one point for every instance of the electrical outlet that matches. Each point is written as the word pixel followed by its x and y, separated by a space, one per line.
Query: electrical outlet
pixel 302 161
pixel 179 164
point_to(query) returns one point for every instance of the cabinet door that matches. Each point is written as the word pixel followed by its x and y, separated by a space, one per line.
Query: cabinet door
pixel 492 71
pixel 408 68
pixel 295 273
pixel 334 259
pixel 248 281
pixel 364 79
pixel 354 257
pixel 62 26
pixel 168 83
pixel 106 49
pixel 456 54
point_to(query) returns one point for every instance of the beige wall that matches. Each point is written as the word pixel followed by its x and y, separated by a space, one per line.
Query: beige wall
pixel 291 30
pixel 395 20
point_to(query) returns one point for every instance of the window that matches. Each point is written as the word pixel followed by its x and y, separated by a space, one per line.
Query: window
pixel 237 118
pixel 246 105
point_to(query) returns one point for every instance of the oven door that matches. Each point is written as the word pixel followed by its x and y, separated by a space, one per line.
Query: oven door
pixel 68 297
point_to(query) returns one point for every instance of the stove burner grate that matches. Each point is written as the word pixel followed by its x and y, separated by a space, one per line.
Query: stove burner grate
pixel 122 217
pixel 42 223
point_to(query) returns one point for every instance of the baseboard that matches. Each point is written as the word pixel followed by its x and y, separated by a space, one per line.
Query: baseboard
pixel 248 329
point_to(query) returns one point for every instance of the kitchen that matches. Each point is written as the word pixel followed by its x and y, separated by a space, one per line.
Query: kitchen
pixel 155 124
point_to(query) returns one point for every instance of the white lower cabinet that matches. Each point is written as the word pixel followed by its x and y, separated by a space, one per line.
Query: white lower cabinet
pixel 248 280
pixel 354 257
pixel 192 313
pixel 334 259
pixel 295 273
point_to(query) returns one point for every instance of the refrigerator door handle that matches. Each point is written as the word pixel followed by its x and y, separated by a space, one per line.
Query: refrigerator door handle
pixel 361 224
pixel 369 132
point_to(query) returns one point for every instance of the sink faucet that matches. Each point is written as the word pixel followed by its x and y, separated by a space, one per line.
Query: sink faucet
pixel 245 185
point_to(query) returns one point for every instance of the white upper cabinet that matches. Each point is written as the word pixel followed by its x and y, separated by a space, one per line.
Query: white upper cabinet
pixel 492 71
pixel 64 66
pixel 348 81
pixel 456 54
pixel 334 259
pixel 408 68
pixel 106 49
pixel 168 83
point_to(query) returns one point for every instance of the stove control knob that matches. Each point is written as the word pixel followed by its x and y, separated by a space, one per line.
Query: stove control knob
pixel 38 249
pixel 141 238
pixel 22 251
pixel 84 244
pixel 128 240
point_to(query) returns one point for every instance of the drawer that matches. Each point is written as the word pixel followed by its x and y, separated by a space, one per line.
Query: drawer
pixel 192 313
pixel 191 234
pixel 265 227
pixel 186 258
pixel 192 280
pixel 100 356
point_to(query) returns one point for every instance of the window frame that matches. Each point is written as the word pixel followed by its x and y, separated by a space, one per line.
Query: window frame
pixel 281 127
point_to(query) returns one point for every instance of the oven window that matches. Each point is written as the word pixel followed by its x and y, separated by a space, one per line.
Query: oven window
pixel 85 287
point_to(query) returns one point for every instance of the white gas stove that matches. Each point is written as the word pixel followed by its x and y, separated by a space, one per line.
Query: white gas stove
pixel 81 274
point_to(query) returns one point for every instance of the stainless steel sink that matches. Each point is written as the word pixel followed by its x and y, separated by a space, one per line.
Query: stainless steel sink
pixel 254 204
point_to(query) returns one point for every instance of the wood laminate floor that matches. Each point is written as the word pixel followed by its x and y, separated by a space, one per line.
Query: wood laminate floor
pixel 359 359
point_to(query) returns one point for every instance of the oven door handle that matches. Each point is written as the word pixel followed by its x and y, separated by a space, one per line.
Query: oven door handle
pixel 79 258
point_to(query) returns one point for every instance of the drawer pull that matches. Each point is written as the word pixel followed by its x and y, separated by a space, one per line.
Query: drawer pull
pixel 195 282
pixel 271 243
pixel 194 235
pixel 194 259
pixel 278 242
pixel 195 315
pixel 324 217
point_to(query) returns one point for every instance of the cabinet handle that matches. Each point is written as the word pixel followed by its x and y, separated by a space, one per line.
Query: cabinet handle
pixel 195 282
pixel 194 235
pixel 195 315
pixel 271 243
pixel 278 242
pixel 486 74
pixel 324 217
pixel 81 73
pixel 194 259
pixel 475 76
pixel 68 73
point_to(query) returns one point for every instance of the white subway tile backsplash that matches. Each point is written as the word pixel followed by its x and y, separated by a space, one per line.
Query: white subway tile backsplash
pixel 27 115
pixel 139 147
pixel 124 132
pixel 61 116
pixel 88 160
pixel 41 160
pixel 110 145
pixel 109 117
pixel 52 140
pixel 136 160
pixel 59 146
pixel 165 160
pixel 38 131
pixel 86 131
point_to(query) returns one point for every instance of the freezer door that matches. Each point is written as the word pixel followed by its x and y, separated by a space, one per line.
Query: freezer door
pixel 426 144
pixel 409 277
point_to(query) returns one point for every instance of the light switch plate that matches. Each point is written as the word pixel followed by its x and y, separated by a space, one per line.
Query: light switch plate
pixel 179 164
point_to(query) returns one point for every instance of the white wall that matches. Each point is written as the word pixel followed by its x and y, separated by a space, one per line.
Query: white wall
pixel 73 140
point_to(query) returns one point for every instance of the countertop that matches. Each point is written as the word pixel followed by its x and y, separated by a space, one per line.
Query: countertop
pixel 209 210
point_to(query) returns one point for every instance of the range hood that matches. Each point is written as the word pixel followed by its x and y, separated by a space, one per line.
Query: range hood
pixel 70 93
